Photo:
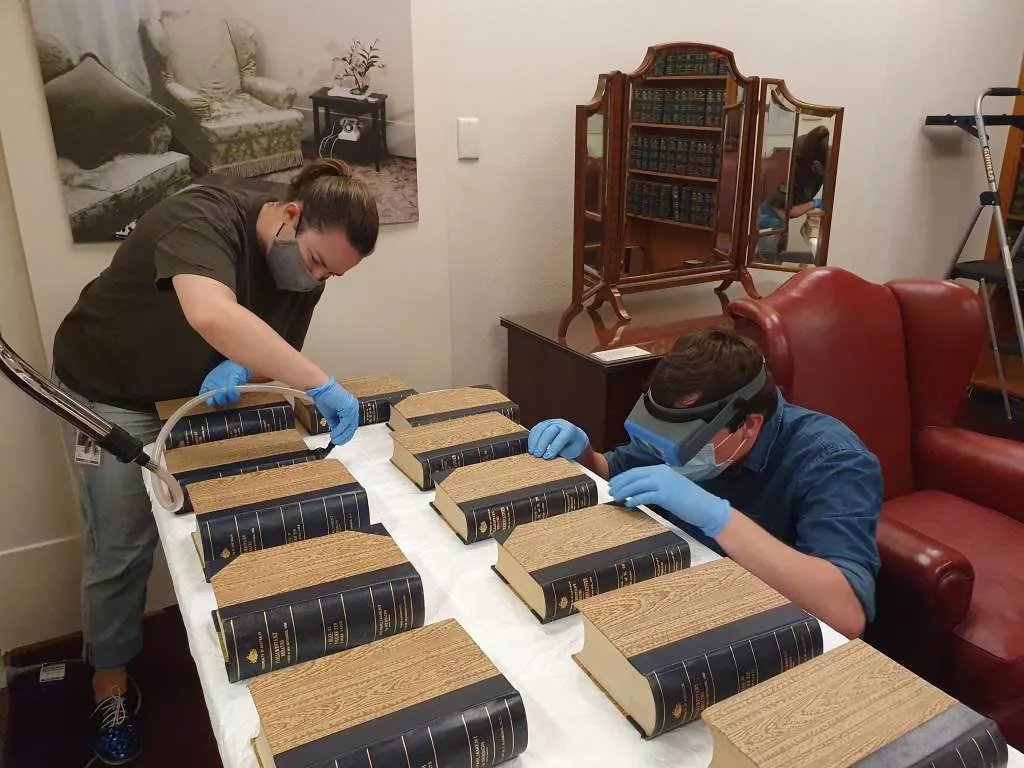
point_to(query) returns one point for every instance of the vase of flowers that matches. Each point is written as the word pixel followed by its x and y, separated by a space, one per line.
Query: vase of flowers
pixel 356 65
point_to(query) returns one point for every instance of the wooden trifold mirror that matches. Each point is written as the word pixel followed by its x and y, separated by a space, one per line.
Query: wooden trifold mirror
pixel 687 172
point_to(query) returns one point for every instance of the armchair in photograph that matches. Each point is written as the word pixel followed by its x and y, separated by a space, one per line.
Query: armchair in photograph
pixel 892 362
pixel 111 143
pixel 229 119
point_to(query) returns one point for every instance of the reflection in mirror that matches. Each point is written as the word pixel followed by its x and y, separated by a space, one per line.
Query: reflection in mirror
pixel 683 181
pixel 795 162
pixel 732 168
pixel 594 193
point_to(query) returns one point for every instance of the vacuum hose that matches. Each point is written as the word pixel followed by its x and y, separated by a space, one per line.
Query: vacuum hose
pixel 106 434
pixel 167 490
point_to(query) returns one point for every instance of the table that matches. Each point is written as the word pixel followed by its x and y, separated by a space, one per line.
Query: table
pixel 350 106
pixel 570 721
pixel 596 394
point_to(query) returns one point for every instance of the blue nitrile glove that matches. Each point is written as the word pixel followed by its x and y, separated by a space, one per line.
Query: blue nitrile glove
pixel 818 202
pixel 339 408
pixel 678 495
pixel 557 437
pixel 228 374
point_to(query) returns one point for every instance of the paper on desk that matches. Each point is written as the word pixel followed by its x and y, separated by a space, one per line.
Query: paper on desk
pixel 621 353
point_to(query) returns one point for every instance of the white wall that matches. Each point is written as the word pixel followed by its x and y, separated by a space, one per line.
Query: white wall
pixel 38 522
pixel 900 199
pixel 298 41
pixel 495 235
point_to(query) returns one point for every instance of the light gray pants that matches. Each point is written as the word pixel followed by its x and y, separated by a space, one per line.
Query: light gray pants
pixel 120 538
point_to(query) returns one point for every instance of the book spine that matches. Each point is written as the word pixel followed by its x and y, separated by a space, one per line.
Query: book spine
pixel 509 410
pixel 485 735
pixel 463 457
pixel 230 535
pixel 484 521
pixel 983 746
pixel 560 595
pixel 682 691
pixel 207 427
pixel 262 641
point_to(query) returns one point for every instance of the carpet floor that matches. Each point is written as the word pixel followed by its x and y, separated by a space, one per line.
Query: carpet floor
pixel 48 722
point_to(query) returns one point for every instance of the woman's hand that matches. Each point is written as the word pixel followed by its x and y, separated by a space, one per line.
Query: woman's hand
pixel 225 377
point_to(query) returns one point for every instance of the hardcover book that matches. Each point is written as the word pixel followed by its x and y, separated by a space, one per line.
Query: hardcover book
pixel 429 697
pixel 481 500
pixel 253 414
pixel 853 706
pixel 235 456
pixel 666 649
pixel 273 507
pixel 553 563
pixel 376 395
pixel 282 606
pixel 421 452
pixel 447 404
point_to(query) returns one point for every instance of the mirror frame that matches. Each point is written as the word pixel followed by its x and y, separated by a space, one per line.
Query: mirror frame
pixel 828 188
pixel 587 282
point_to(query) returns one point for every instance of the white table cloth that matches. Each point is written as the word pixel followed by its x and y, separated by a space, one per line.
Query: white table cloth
pixel 571 722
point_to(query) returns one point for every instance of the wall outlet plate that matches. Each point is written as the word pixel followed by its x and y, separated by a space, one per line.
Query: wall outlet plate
pixel 469 138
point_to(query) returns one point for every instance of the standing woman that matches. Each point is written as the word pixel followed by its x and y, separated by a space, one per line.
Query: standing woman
pixel 214 288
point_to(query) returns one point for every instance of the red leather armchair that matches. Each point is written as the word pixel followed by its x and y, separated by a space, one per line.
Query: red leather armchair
pixel 892 362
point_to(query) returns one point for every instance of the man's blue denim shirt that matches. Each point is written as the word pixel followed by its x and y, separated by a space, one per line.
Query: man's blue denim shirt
pixel 808 481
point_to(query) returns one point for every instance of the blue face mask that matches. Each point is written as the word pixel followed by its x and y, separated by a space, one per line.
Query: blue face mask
pixel 704 466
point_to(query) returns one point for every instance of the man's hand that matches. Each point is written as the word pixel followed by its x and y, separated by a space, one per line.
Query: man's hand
pixel 340 410
pixel 225 376
pixel 682 498
pixel 557 437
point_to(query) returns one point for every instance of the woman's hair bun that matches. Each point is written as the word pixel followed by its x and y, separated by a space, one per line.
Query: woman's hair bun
pixel 320 168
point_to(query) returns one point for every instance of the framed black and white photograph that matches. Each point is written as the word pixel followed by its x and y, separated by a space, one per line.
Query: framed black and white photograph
pixel 147 97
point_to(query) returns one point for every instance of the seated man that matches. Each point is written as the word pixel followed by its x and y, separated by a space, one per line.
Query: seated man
pixel 790 494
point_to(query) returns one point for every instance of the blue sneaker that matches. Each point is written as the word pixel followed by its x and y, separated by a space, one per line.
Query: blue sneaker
pixel 116 736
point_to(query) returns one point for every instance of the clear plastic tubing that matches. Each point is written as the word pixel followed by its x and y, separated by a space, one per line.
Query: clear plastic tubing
pixel 166 488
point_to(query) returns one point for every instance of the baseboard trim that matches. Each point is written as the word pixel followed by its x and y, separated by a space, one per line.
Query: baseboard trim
pixel 38 545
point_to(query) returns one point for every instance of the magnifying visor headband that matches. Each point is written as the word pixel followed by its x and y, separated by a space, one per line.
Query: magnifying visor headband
pixel 677 434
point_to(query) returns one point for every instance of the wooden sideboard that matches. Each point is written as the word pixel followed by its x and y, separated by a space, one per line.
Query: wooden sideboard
pixel 561 377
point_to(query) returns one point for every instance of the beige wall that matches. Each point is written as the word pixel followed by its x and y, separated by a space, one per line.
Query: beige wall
pixel 494 235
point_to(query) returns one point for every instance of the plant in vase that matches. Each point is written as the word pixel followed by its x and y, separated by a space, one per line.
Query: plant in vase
pixel 357 64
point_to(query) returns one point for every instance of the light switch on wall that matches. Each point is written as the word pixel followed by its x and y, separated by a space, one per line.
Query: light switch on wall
pixel 469 138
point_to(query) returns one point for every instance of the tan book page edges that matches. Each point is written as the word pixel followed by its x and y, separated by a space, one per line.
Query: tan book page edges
pixel 576 534
pixel 445 400
pixel 660 611
pixel 430 437
pixel 300 704
pixel 234 449
pixel 260 574
pixel 478 481
pixel 830 712
pixel 267 484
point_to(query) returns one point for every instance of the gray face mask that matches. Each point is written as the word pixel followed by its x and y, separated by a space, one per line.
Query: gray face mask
pixel 286 266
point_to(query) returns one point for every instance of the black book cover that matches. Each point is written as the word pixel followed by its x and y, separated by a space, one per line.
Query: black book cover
pixel 688 676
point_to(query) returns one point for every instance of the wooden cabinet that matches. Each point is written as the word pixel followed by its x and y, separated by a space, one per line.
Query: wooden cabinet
pixel 571 377
pixel 688 171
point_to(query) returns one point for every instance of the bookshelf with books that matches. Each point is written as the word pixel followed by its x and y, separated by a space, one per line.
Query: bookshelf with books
pixel 665 163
